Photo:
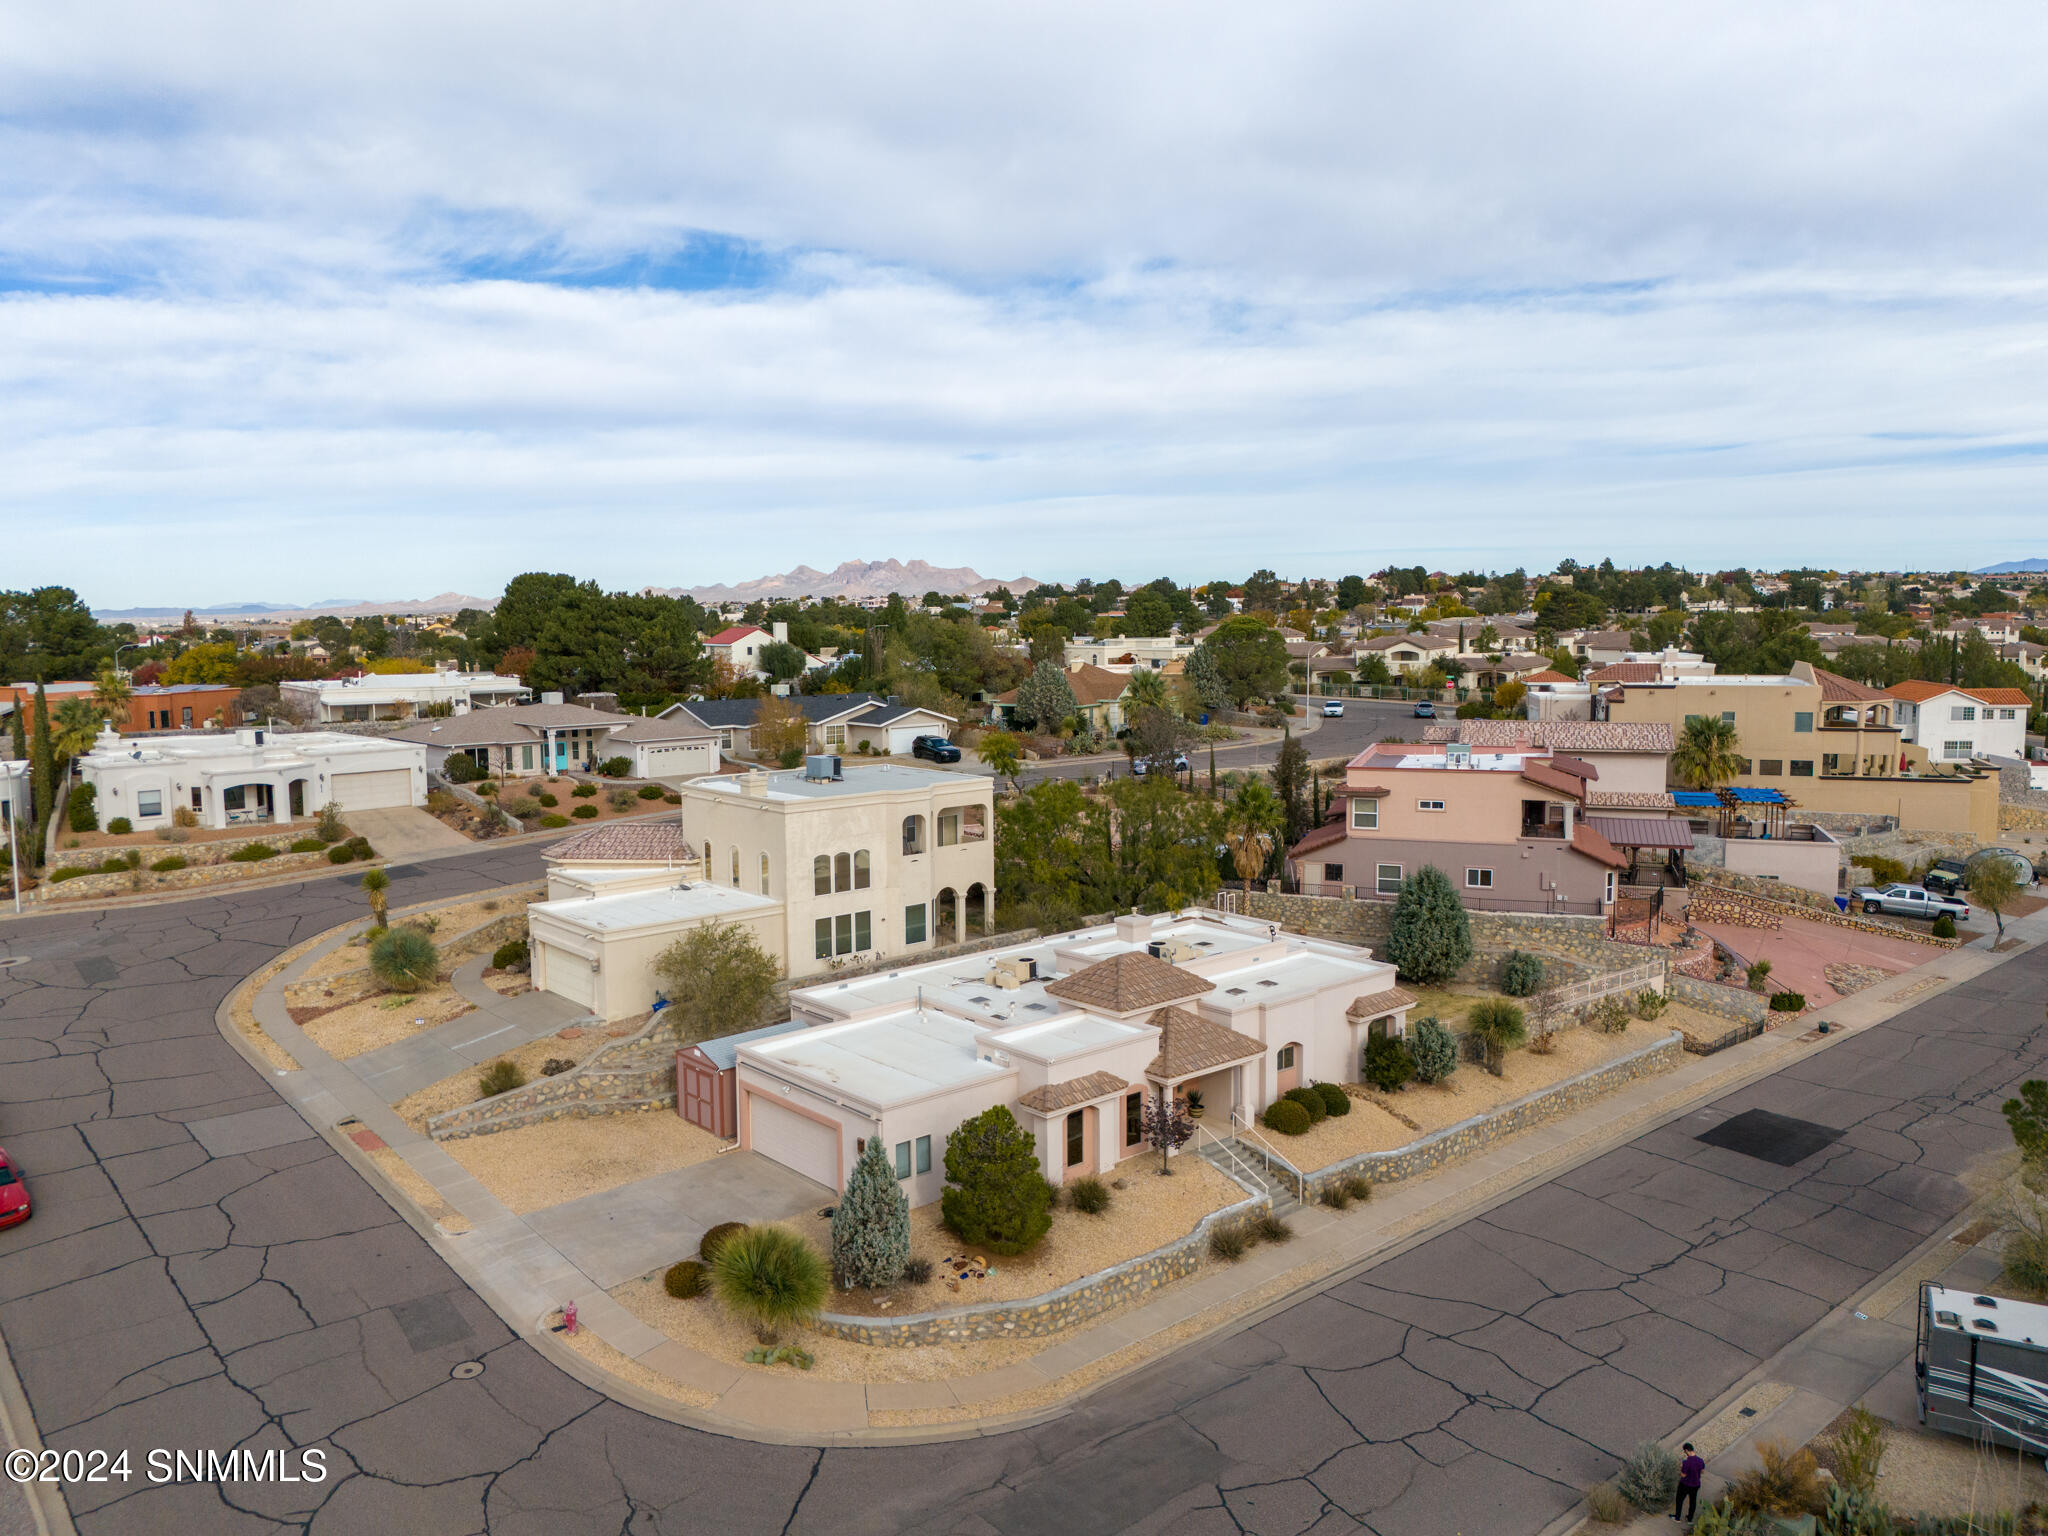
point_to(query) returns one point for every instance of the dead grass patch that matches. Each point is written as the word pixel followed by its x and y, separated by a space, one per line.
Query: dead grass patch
pixel 384 1019
pixel 454 1092
pixel 536 1166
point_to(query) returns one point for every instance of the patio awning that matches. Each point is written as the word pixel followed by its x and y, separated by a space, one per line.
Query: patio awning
pixel 1642 831
pixel 1696 799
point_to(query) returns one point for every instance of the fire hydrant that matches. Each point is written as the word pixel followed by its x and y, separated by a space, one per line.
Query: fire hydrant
pixel 569 1318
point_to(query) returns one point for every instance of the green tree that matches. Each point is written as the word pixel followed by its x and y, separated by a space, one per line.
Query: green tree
pixel 1045 699
pixel 1351 592
pixel 1201 675
pixel 1040 854
pixel 1429 937
pixel 1709 752
pixel 1993 885
pixel 209 663
pixel 1291 785
pixel 871 1224
pixel 111 693
pixel 1250 658
pixel 1252 821
pixel 17 729
pixel 73 729
pixel 719 980
pixel 1002 754
pixel 2027 1116
pixel 780 733
pixel 49 632
pixel 1146 690
pixel 782 661
pixel 995 1195
pixel 42 768
pixel 1147 613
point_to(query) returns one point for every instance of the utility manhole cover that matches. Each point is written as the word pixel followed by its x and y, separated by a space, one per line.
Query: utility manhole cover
pixel 468 1370
pixel 1769 1137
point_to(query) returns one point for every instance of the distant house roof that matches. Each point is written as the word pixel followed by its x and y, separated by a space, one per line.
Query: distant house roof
pixel 1918 692
pixel 736 634
pixel 509 723
pixel 1837 689
pixel 660 728
pixel 1091 685
pixel 1054 1097
pixel 1129 983
pixel 816 708
pixel 625 842
pixel 1576 736
pixel 1549 675
pixel 889 714
pixel 1627 672
pixel 1608 640
pixel 1190 1044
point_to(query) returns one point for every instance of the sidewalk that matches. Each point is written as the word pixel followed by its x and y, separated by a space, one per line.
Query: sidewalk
pixel 508 1260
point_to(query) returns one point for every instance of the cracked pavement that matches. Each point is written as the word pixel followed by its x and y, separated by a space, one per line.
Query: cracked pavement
pixel 270 1299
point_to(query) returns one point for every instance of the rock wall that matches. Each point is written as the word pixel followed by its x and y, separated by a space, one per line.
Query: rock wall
pixel 216 871
pixel 1454 1143
pixel 634 1076
pixel 1052 1312
pixel 1741 909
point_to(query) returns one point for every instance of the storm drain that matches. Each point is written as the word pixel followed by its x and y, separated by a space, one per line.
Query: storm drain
pixel 1769 1137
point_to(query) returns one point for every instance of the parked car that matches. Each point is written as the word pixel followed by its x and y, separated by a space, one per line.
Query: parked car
pixel 936 748
pixel 1140 766
pixel 1910 901
pixel 1333 709
pixel 14 1201
pixel 1424 710
pixel 1947 876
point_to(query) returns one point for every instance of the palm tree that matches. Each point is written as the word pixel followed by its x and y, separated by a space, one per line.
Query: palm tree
pixel 1709 752
pixel 1145 689
pixel 1251 823
pixel 73 728
pixel 111 693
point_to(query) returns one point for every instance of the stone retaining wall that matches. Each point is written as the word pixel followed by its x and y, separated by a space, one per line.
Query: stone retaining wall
pixel 1717 878
pixel 1724 1002
pixel 221 871
pixel 1744 910
pixel 633 1076
pixel 1052 1312
pixel 1454 1143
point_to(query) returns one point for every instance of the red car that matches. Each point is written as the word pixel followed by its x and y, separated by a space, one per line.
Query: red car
pixel 14 1203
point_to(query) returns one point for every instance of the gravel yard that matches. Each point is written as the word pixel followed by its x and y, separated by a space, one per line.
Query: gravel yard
pixel 383 1020
pixel 454 1092
pixel 1945 1475
pixel 536 1166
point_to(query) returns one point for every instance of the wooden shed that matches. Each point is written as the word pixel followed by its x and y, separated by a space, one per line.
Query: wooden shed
pixel 707 1092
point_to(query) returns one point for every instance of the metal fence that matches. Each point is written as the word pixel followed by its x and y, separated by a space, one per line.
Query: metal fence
pixel 1626 982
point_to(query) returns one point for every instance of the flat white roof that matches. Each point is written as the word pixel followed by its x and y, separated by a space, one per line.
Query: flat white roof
pixel 1295 974
pixel 645 909
pixel 278 747
pixel 883 1061
pixel 1486 762
pixel 855 779
pixel 1067 1035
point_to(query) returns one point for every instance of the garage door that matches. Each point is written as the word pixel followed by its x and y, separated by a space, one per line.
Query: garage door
pixel 569 975
pixel 795 1141
pixel 372 791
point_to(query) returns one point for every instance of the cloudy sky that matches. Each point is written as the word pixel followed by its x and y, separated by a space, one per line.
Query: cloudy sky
pixel 382 300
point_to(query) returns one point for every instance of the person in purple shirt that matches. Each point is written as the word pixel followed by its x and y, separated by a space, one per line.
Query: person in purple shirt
pixel 1689 1471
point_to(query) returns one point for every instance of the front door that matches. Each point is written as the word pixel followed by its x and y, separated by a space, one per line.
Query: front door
pixel 298 798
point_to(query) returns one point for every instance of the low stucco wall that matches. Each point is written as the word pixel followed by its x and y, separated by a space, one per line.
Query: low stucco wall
pixel 1052 1312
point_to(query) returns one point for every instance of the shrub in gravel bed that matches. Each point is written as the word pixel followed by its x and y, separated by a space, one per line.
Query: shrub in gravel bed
pixel 1435 1052
pixel 548 800
pixel 511 955
pixel 917 1271
pixel 1521 974
pixel 1357 1186
pixel 584 791
pixel 307 845
pixel 1335 1100
pixel 584 812
pixel 340 855
pixel 501 1076
pixel 1271 1228
pixel 552 820
pixel 1088 1196
pixel 165 866
pixel 649 792
pixel 1606 1505
pixel 1286 1117
pixel 716 1238
pixel 253 853
pixel 1650 1003
pixel 1388 1066
pixel 1311 1101
pixel 1227 1241
pixel 684 1280
pixel 120 826
pixel 1787 1002
pixel 1649 1478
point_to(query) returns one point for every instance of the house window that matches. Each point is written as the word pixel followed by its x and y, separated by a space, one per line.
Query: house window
pixel 1770 767
pixel 924 1154
pixel 824 938
pixel 835 735
pixel 913 834
pixel 526 757
pixel 863 935
pixel 949 828
pixel 1955 749
pixel 188 719
pixel 149 802
pixel 913 924
pixel 902 1159
pixel 1134 1119
pixel 735 864
pixel 1286 1058
pixel 1387 879
pixel 195 797
pixel 1802 720
pixel 764 874
pixel 1802 767
pixel 1479 879
pixel 1076 1140
pixel 1962 711
pixel 1333 874
pixel 1728 717
pixel 821 875
pixel 2006 714
pixel 842 872
pixel 860 869
pixel 1429 805
pixel 1610 887
pixel 842 926
pixel 235 797
pixel 1365 815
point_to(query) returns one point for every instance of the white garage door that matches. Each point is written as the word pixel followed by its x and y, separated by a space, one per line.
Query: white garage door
pixel 795 1141
pixel 372 791
pixel 569 975
pixel 903 737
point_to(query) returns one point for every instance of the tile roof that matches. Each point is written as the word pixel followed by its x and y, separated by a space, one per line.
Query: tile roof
pixel 1608 640
pixel 1129 983
pixel 1643 831
pixel 1373 1004
pixel 1837 689
pixel 1549 675
pixel 736 633
pixel 1915 691
pixel 1546 777
pixel 1627 672
pixel 1574 736
pixel 1595 846
pixel 1054 1097
pixel 631 842
pixel 1328 835
pixel 509 723
pixel 1189 1044
pixel 657 728
pixel 1091 685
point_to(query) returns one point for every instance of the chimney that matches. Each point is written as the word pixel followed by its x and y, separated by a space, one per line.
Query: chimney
pixel 754 784
pixel 1134 928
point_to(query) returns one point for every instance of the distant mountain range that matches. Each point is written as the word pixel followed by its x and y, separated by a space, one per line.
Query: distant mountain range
pixel 857 579
pixel 339 607
pixel 2013 567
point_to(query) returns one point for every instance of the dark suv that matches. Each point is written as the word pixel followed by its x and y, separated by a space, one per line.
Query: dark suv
pixel 936 748
pixel 1947 877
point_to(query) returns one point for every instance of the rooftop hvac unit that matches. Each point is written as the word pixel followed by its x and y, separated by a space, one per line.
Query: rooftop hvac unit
pixel 1011 974
pixel 1172 950
pixel 822 765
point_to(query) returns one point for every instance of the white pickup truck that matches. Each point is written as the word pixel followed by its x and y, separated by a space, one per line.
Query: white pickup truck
pixel 1910 901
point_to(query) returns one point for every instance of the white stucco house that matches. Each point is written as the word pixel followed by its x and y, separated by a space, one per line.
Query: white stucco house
pixel 250 777
pixel 1956 724
pixel 1074 1033
pixel 399 695
pixel 596 942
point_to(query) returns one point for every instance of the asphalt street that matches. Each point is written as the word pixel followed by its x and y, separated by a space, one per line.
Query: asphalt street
pixel 164 1297
pixel 1364 722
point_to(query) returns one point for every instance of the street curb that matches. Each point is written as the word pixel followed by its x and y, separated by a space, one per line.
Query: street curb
pixel 18 1427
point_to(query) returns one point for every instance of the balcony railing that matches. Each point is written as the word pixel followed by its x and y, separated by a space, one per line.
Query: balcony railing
pixel 1552 829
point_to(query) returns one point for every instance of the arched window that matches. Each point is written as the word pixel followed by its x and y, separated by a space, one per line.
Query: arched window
pixel 735 863
pixel 764 874
pixel 842 872
pixel 913 834
pixel 860 870
pixel 821 875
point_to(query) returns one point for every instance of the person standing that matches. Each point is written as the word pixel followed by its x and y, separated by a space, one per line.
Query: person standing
pixel 1689 1471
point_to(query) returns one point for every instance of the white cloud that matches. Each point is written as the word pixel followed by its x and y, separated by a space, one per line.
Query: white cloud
pixel 1053 288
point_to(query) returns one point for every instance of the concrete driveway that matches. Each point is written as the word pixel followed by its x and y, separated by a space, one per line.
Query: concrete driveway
pixel 405 832
pixel 653 1222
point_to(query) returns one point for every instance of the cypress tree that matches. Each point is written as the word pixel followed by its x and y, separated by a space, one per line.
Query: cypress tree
pixel 871 1227
pixel 43 770
pixel 1429 936
pixel 17 723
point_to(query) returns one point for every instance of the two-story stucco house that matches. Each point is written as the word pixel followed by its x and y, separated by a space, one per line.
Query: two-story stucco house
pixel 1955 724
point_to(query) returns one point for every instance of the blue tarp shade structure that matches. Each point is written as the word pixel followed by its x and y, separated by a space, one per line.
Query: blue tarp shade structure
pixel 1747 794
pixel 1704 799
